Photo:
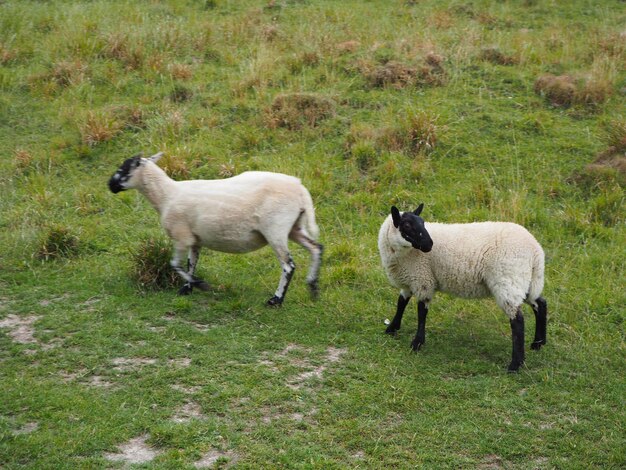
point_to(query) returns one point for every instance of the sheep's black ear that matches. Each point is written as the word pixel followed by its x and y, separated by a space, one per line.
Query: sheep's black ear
pixel 418 211
pixel 395 216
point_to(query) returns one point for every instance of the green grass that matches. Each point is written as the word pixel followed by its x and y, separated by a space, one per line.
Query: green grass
pixel 87 84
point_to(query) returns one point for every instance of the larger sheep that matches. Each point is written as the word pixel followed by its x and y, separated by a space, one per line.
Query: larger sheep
pixel 233 215
pixel 500 259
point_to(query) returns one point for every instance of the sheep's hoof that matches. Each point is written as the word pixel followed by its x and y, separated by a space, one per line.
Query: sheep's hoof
pixel 416 345
pixel 275 302
pixel 514 367
pixel 536 345
pixel 314 289
pixel 186 289
pixel 392 330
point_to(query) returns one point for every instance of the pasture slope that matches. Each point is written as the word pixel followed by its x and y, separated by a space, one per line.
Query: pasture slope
pixel 483 110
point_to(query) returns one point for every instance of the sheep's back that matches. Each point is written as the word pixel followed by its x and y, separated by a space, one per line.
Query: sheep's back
pixel 467 257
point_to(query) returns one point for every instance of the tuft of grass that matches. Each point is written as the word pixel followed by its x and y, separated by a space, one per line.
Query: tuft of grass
pixel 295 110
pixel 97 127
pixel 151 269
pixel 58 242
pixel 495 56
pixel 23 160
pixel 180 94
pixel 566 90
pixel 398 75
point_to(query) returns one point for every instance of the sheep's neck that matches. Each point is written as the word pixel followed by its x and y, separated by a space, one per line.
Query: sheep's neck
pixel 157 186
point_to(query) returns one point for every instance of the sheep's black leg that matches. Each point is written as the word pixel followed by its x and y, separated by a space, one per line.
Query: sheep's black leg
pixel 288 269
pixel 420 336
pixel 541 319
pixel 394 326
pixel 517 335
pixel 192 281
pixel 316 249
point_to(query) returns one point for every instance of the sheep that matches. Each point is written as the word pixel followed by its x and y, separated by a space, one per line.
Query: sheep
pixel 473 260
pixel 233 215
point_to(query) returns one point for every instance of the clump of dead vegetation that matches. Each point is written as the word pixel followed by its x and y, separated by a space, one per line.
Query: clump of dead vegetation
pixel 296 110
pixel 495 56
pixel 57 242
pixel 567 90
pixel 98 126
pixel 609 166
pixel 413 134
pixel 120 47
pixel 398 75
pixel 151 267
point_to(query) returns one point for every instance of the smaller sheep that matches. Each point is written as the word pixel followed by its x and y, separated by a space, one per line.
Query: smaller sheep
pixel 233 215
pixel 500 259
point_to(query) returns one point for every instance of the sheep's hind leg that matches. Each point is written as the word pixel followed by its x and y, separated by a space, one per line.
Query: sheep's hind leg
pixel 288 266
pixel 316 249
pixel 517 336
pixel 420 336
pixel 541 319
pixel 403 300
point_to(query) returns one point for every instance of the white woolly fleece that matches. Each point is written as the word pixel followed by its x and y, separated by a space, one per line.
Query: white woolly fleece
pixel 467 260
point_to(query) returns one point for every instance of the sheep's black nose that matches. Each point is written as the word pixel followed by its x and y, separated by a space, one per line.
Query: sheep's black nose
pixel 115 186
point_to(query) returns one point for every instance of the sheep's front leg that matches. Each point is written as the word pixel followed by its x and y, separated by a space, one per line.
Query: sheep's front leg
pixel 420 336
pixel 517 335
pixel 192 262
pixel 403 300
pixel 288 269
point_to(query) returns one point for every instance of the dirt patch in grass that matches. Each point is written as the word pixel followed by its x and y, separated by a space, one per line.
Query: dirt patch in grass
pixel 219 457
pixel 190 389
pixel 297 110
pixel 332 355
pixel 180 362
pixel 21 329
pixel 135 451
pixel 188 411
pixel 128 364
pixel 26 428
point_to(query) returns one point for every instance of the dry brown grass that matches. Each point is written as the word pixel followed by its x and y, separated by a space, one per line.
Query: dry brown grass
pixel 495 56
pixel 566 90
pixel 7 55
pixel 609 165
pixel 120 47
pixel 558 90
pixel 175 166
pixel 295 110
pixel 399 75
pixel 180 71
pixel 415 133
pixel 23 159
pixel 97 127
pixel 347 47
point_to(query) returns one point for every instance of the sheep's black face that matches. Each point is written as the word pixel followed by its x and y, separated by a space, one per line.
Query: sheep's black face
pixel 412 228
pixel 118 181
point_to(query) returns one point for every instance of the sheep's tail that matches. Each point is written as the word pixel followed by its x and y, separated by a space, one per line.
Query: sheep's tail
pixel 537 278
pixel 309 214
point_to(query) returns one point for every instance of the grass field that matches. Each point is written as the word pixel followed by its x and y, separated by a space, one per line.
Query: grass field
pixel 483 110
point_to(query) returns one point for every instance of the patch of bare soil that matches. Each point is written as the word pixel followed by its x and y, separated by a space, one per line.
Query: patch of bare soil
pixel 20 328
pixel 134 451
pixel 180 362
pixel 214 456
pixel 332 355
pixel 26 428
pixel 127 364
pixel 191 389
pixel 190 410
